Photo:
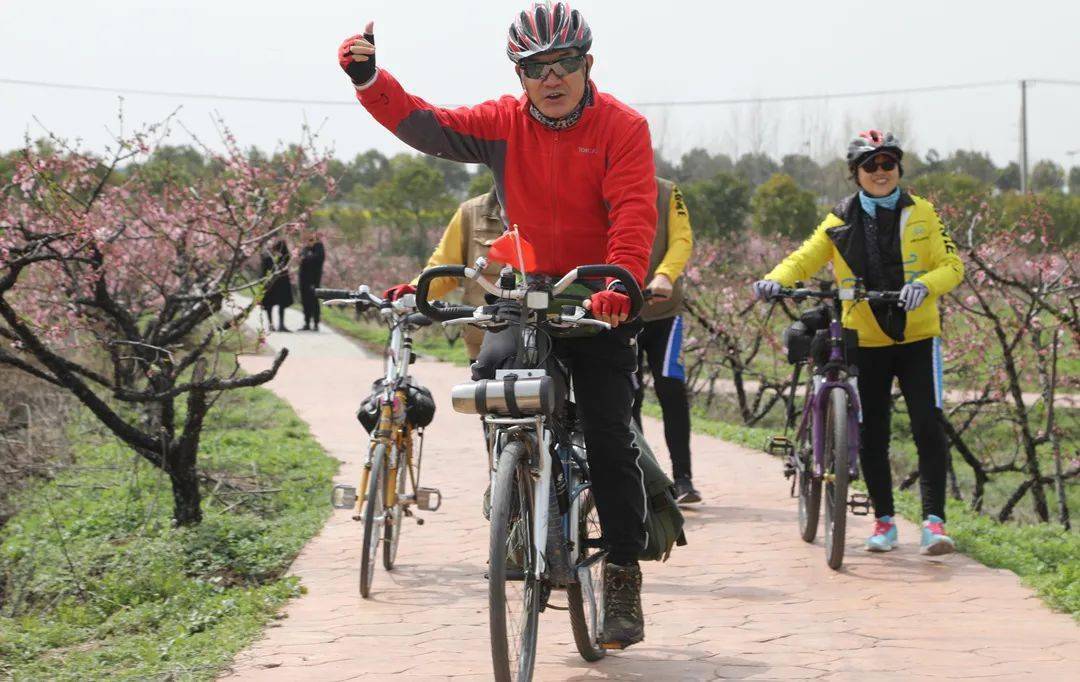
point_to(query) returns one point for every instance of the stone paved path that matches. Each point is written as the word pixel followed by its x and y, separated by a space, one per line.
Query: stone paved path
pixel 747 599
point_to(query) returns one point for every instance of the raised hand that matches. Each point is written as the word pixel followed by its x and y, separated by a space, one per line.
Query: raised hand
pixel 357 55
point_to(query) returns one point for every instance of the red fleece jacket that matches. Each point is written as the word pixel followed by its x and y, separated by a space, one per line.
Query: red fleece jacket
pixel 580 196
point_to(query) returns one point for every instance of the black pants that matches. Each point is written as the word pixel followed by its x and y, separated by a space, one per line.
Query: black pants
pixel 602 370
pixel 661 343
pixel 310 303
pixel 917 368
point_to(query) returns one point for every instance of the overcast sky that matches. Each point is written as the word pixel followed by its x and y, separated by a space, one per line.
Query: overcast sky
pixel 453 52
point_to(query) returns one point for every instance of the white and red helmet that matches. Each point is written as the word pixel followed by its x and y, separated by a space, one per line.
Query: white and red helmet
pixel 547 26
pixel 872 142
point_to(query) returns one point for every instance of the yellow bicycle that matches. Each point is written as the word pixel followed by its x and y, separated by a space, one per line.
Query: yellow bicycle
pixel 394 414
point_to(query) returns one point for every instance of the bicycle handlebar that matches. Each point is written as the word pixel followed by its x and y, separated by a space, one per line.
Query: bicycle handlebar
pixel 455 312
pixel 451 312
pixel 846 294
pixel 621 275
pixel 326 294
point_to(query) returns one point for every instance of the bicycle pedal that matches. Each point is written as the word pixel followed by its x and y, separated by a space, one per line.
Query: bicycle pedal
pixel 428 499
pixel 859 504
pixel 343 496
pixel 779 445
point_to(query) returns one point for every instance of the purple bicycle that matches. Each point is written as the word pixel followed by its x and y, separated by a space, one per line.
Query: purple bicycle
pixel 826 447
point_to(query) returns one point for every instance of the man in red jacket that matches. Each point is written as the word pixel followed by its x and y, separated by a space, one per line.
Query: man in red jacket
pixel 574 171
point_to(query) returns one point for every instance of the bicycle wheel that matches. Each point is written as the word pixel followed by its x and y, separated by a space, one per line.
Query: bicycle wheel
pixel 585 597
pixel 809 486
pixel 513 590
pixel 392 533
pixel 374 518
pixel 836 477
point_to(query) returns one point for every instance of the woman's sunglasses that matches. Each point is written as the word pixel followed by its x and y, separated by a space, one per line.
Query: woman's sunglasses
pixel 871 165
pixel 562 67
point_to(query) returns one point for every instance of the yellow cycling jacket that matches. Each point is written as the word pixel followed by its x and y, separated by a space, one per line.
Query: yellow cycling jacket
pixel 928 253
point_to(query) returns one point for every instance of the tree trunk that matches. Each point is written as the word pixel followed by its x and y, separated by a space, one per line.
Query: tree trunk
pixel 187 499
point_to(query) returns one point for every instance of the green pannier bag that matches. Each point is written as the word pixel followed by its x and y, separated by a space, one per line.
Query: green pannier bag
pixel 663 520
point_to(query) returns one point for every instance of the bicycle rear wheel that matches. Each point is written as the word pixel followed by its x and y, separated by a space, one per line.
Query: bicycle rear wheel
pixel 396 517
pixel 585 597
pixel 374 519
pixel 514 593
pixel 809 485
pixel 837 461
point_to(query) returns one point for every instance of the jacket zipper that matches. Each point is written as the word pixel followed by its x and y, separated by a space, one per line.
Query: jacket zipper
pixel 555 227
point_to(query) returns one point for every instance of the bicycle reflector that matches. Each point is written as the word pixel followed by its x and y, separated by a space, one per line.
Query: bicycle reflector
pixel 509 396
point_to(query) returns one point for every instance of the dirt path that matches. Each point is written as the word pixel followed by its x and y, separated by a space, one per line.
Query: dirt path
pixel 747 599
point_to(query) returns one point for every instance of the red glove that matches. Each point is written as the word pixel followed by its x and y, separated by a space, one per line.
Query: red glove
pixel 609 303
pixel 396 292
pixel 359 72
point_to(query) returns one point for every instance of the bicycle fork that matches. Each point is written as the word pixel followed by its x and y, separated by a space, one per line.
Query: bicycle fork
pixel 541 492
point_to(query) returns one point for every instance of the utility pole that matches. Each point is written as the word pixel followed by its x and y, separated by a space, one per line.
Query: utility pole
pixel 1023 138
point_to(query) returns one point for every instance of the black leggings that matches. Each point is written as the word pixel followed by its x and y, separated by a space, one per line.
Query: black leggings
pixel 602 371
pixel 917 367
pixel 661 343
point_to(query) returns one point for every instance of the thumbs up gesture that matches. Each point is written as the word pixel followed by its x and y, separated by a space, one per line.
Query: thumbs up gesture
pixel 357 56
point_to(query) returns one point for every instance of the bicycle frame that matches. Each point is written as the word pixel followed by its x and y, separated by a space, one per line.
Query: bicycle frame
pixel 392 430
pixel 834 376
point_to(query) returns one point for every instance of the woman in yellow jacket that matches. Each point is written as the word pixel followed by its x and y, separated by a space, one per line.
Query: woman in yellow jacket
pixel 892 240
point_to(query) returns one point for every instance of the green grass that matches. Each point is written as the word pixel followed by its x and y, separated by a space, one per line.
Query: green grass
pixel 96 583
pixel 429 342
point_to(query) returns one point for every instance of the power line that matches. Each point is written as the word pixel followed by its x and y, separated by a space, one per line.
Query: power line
pixel 664 103
pixel 838 95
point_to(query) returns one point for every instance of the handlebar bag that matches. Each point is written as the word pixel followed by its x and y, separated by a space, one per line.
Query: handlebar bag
pixel 419 405
pixel 797 340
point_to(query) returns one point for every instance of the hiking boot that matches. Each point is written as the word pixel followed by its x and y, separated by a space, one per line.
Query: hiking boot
pixel 934 540
pixel 685 493
pixel 885 536
pixel 624 623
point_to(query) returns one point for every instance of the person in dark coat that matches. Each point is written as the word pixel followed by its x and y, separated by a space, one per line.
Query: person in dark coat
pixel 311 262
pixel 275 264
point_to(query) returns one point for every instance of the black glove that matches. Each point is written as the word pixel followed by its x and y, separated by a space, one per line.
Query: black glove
pixel 359 72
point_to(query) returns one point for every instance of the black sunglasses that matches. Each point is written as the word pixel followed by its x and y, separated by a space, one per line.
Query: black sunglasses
pixel 562 67
pixel 872 164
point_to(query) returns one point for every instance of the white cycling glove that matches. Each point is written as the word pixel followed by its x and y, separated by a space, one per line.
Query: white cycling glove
pixel 913 295
pixel 765 289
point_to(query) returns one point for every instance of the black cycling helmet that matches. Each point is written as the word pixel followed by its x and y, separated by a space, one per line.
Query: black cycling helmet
pixel 871 142
pixel 545 27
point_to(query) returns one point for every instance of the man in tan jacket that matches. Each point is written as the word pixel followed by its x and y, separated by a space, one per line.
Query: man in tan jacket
pixel 475 225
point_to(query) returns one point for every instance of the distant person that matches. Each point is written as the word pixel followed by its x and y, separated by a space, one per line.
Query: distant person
pixel 892 240
pixel 660 341
pixel 312 256
pixel 275 265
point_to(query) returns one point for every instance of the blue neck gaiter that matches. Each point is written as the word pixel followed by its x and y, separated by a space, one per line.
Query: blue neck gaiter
pixel 870 204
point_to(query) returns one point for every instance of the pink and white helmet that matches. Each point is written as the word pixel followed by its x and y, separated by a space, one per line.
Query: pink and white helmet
pixel 547 26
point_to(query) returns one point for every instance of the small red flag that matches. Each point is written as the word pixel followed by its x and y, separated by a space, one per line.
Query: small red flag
pixel 512 249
